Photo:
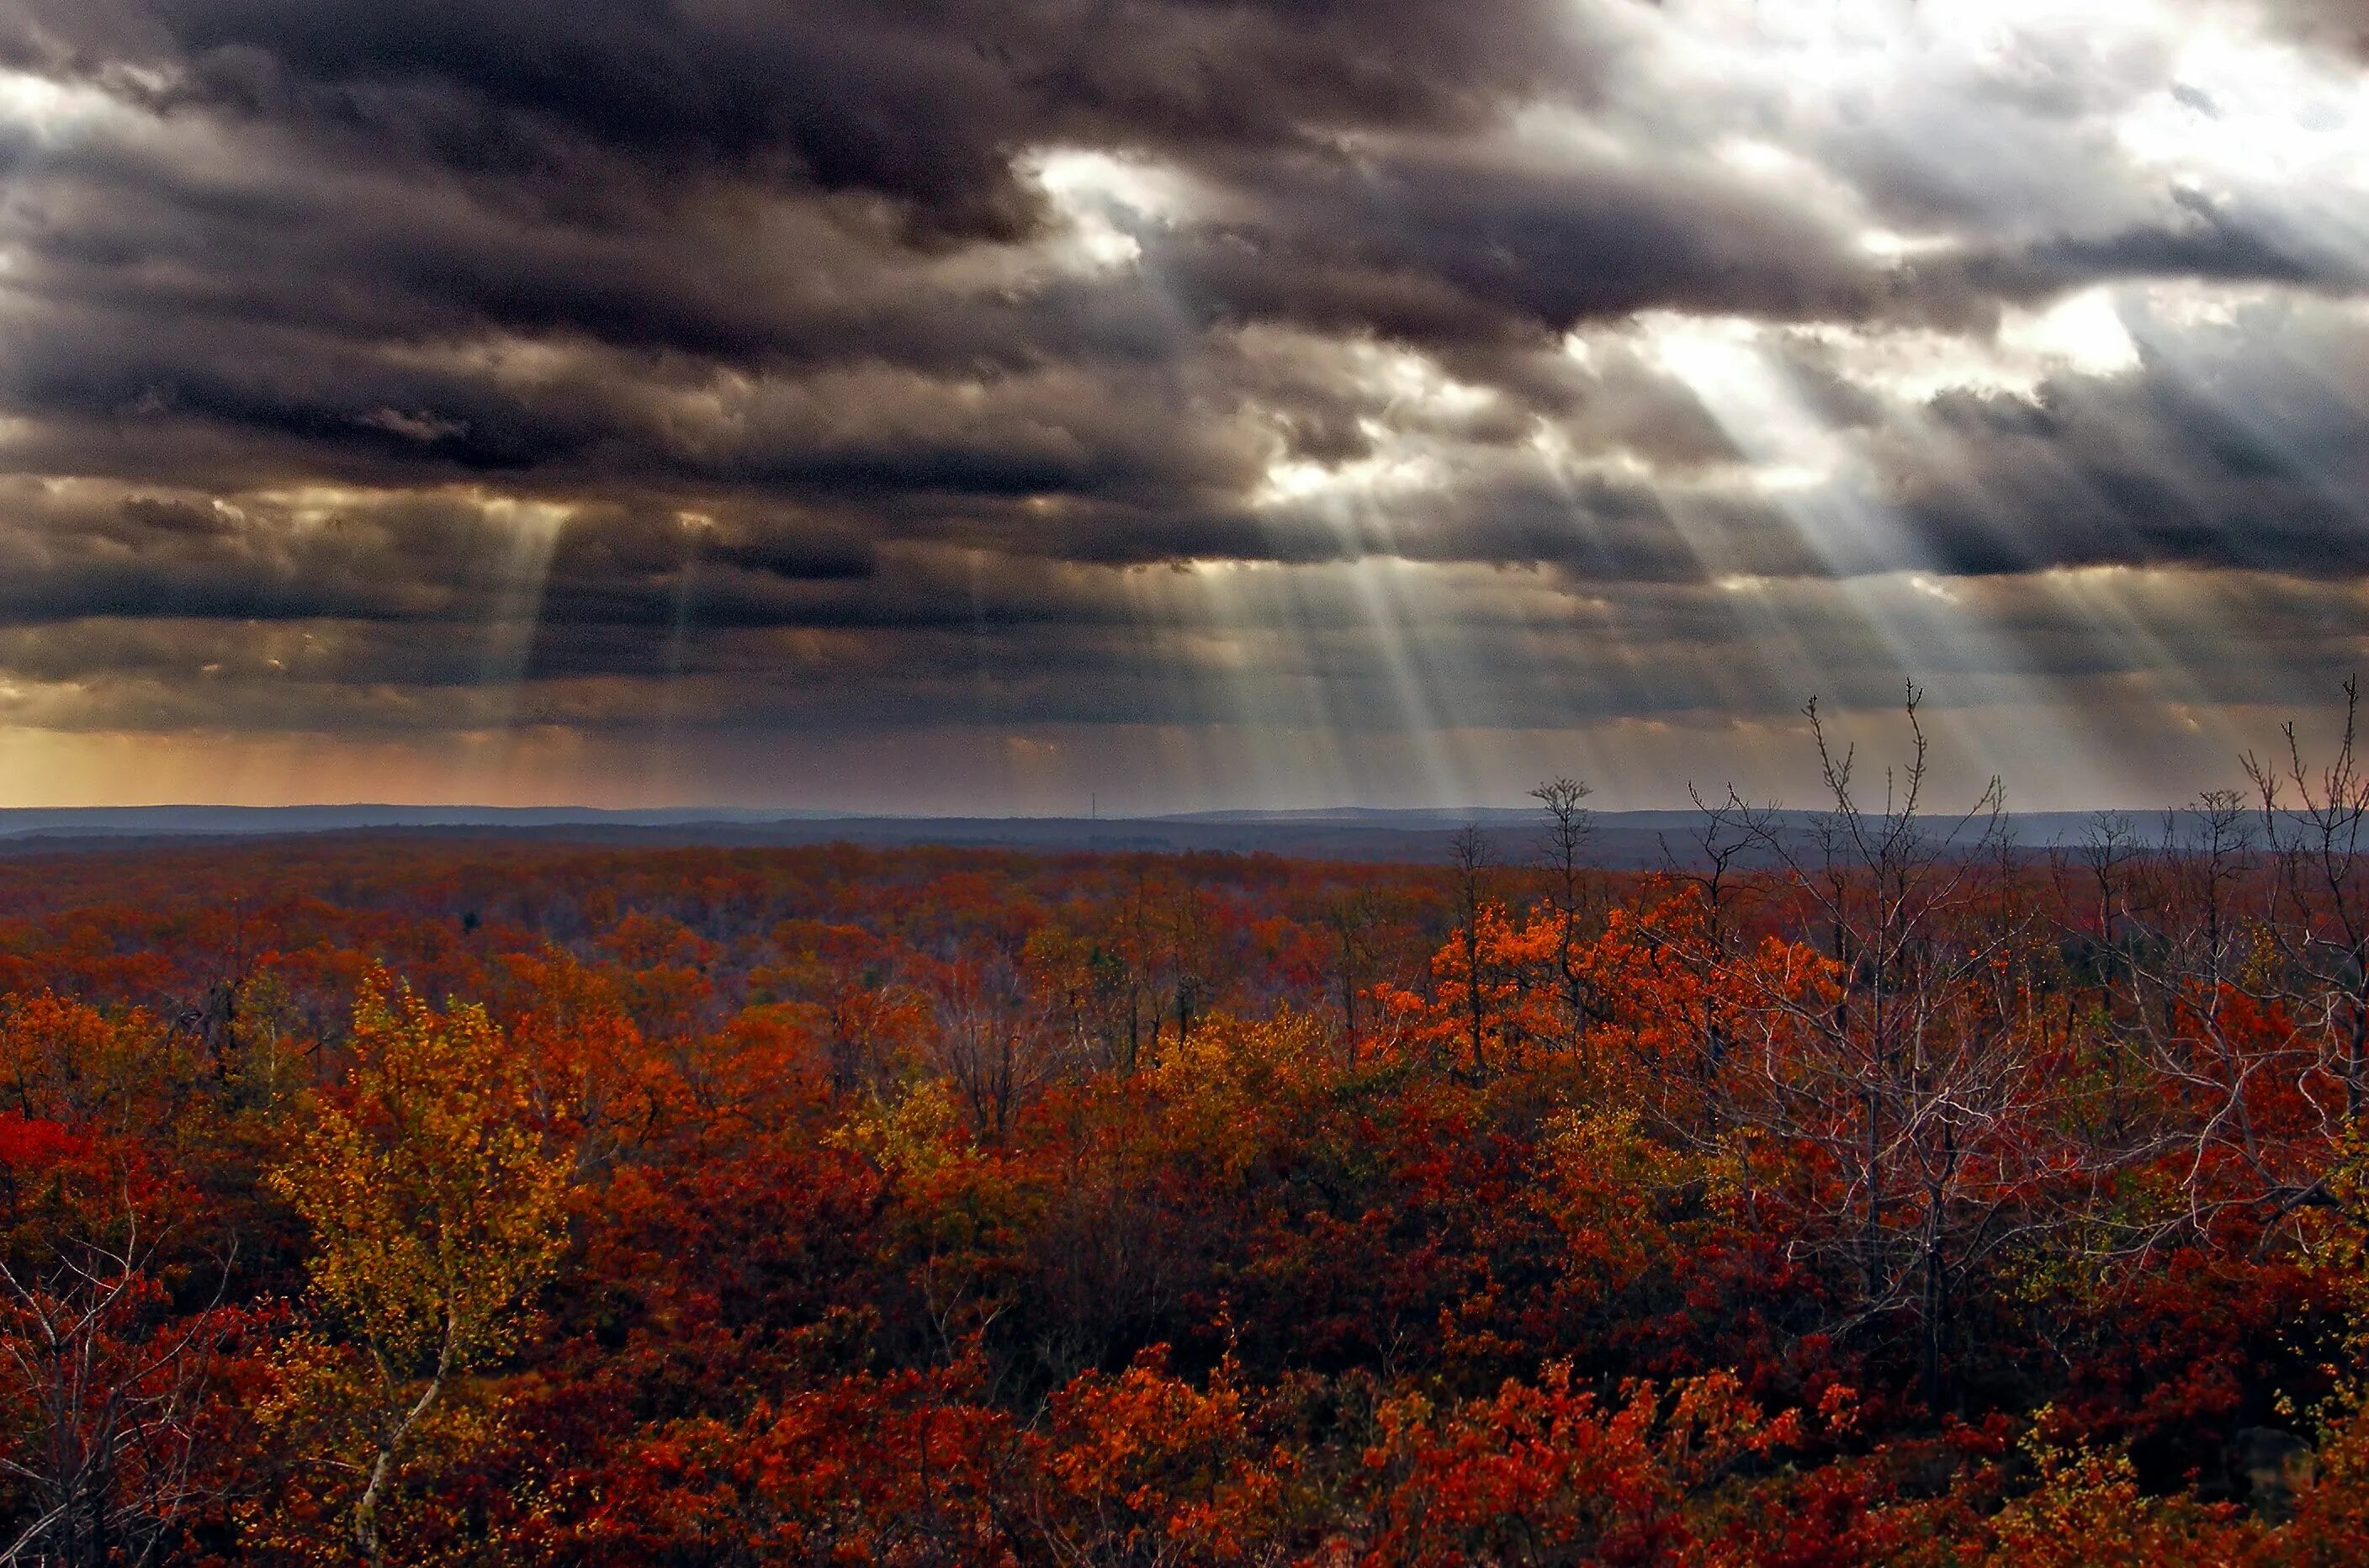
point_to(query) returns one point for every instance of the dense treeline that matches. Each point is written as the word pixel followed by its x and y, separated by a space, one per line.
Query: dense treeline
pixel 1869 1194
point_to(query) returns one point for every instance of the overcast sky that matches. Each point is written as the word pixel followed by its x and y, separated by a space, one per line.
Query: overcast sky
pixel 986 404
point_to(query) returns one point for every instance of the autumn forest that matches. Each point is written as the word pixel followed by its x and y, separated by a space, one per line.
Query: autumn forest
pixel 1861 1188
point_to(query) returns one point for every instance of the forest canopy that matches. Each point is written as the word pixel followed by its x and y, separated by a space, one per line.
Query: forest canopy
pixel 1873 1191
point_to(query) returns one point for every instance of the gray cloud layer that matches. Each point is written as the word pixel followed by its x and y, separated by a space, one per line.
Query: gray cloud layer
pixel 371 370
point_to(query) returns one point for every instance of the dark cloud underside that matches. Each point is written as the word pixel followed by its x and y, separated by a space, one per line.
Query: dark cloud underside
pixel 1332 367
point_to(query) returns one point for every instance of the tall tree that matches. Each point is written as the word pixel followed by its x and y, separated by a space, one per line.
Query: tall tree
pixel 435 1212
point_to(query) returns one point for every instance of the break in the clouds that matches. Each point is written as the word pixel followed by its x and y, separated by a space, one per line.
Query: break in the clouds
pixel 971 405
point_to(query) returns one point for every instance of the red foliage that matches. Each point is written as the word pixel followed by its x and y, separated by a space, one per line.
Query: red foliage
pixel 946 1206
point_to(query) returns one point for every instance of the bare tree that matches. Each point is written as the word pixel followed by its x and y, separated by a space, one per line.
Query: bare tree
pixel 1565 852
pixel 1906 1073
pixel 2208 849
pixel 2095 877
pixel 1350 917
pixel 2318 836
pixel 114 1389
pixel 2110 845
pixel 1720 849
pixel 2216 915
pixel 992 1040
pixel 1197 959
pixel 1474 861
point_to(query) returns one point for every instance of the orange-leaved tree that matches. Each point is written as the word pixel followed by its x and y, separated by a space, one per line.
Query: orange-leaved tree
pixel 1541 1473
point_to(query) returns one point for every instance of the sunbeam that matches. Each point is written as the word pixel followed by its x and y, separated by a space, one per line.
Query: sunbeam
pixel 1345 403
pixel 1817 479
pixel 525 534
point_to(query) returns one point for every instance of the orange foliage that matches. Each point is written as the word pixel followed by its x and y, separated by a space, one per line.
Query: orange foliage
pixel 940 1207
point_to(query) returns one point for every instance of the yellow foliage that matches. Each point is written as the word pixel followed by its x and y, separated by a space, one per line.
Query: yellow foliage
pixel 436 1214
pixel 434 1210
pixel 912 1134
pixel 1232 1085
pixel 2088 1512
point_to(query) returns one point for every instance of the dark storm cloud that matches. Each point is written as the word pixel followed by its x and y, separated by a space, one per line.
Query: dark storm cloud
pixel 2206 242
pixel 357 359
pixel 922 105
pixel 2245 447
pixel 108 550
pixel 1661 653
pixel 1464 242
pixel 333 189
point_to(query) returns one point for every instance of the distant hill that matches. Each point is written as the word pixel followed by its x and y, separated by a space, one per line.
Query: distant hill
pixel 1627 839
